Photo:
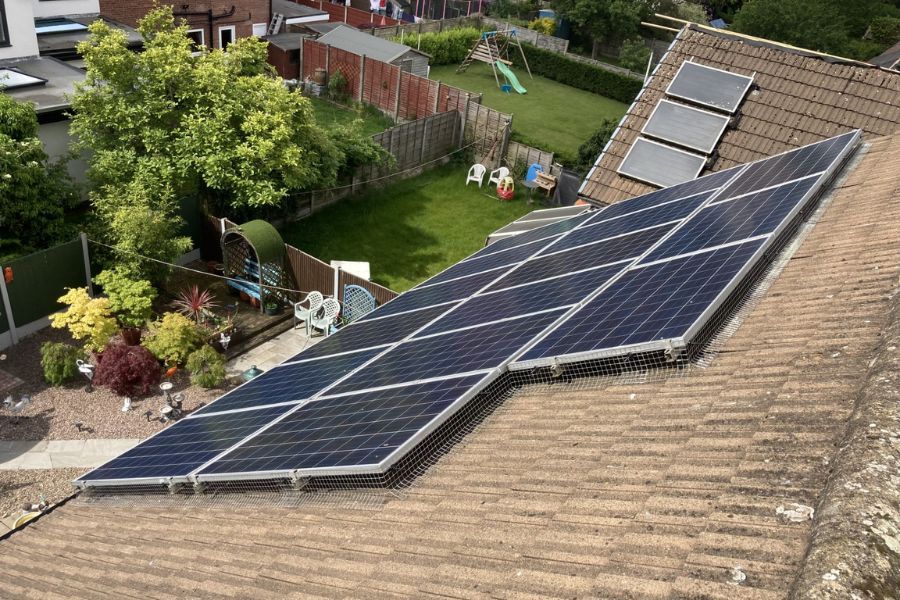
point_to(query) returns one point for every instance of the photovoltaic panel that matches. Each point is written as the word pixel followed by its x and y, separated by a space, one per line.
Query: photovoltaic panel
pixel 660 165
pixel 417 298
pixel 184 446
pixel 456 332
pixel 636 222
pixel 648 304
pixel 362 430
pixel 736 219
pixel 709 86
pixel 540 233
pixel 371 332
pixel 543 295
pixel 788 166
pixel 455 353
pixel 491 261
pixel 686 126
pixel 289 383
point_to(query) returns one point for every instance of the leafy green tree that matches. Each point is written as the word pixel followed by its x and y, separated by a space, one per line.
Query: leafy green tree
pixel 634 55
pixel 164 125
pixel 591 149
pixel 605 20
pixel 34 192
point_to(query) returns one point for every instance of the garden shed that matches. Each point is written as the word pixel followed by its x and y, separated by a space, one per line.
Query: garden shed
pixel 360 43
pixel 254 258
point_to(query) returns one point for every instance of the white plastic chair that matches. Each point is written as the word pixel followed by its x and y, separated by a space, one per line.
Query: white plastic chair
pixel 476 173
pixel 313 303
pixel 326 316
pixel 497 175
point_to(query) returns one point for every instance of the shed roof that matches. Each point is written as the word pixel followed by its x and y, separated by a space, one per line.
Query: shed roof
pixel 801 97
pixel 357 42
pixel 660 489
pixel 265 240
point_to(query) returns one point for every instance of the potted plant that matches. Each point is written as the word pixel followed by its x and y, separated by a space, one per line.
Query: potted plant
pixel 272 307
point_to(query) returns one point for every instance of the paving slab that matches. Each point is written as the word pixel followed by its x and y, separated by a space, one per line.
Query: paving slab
pixel 57 454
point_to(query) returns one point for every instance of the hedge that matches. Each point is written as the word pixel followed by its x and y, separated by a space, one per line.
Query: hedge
pixel 577 74
pixel 446 47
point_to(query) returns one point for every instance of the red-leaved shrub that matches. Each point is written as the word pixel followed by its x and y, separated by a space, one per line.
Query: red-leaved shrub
pixel 130 371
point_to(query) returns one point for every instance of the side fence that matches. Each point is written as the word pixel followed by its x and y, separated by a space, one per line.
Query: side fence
pixel 341 13
pixel 308 272
pixel 394 91
pixel 34 283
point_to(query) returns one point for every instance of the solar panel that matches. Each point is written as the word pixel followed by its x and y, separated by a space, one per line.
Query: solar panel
pixel 709 86
pixel 648 304
pixel 371 333
pixel 547 231
pixel 491 261
pixel 364 431
pixel 557 292
pixel 456 353
pixel 184 446
pixel 382 384
pixel 685 126
pixel 660 165
pixel 289 383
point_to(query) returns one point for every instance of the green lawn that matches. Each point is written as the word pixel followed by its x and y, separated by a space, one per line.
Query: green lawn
pixel 551 116
pixel 328 114
pixel 410 230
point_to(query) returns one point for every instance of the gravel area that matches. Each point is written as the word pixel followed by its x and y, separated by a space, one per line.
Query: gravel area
pixel 19 487
pixel 55 410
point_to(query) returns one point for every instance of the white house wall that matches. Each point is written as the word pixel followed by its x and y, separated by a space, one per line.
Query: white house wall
pixel 55 137
pixel 20 21
pixel 59 8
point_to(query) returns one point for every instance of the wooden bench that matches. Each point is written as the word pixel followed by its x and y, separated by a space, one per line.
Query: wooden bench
pixel 545 181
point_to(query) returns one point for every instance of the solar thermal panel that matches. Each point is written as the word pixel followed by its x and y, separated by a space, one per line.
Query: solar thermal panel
pixel 685 126
pixel 660 165
pixel 709 86
pixel 359 431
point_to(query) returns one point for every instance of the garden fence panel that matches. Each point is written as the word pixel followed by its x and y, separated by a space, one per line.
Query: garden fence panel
pixel 349 66
pixel 310 273
pixel 341 13
pixel 527 155
pixel 314 57
pixel 40 278
pixel 380 84
pixel 487 130
pixel 393 31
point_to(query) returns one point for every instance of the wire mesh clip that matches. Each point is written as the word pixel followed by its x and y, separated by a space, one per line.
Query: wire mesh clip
pixel 556 369
pixel 298 482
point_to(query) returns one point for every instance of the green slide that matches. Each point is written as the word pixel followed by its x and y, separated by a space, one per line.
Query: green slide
pixel 510 76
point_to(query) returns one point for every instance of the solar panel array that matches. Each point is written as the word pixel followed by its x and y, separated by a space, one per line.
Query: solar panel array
pixel 689 135
pixel 644 273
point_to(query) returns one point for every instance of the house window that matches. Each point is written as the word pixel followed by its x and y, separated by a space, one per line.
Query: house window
pixel 226 36
pixel 260 29
pixel 4 36
pixel 196 36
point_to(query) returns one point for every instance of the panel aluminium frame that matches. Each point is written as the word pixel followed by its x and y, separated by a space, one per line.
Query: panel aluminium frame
pixel 641 145
pixel 735 77
pixel 714 123
pixel 680 343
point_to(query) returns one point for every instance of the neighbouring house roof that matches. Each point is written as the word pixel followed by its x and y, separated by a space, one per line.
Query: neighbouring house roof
pixel 60 82
pixel 62 44
pixel 323 28
pixel 357 42
pixel 286 41
pixel 619 489
pixel 297 13
pixel 800 97
pixel 889 59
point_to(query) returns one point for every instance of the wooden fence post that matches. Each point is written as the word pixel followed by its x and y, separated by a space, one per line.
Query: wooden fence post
pixel 504 145
pixel 327 63
pixel 465 118
pixel 300 74
pixel 362 76
pixel 437 99
pixel 424 141
pixel 397 99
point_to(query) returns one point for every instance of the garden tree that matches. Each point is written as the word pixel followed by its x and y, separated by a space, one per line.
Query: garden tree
pixel 164 125
pixel 591 149
pixel 34 192
pixel 832 26
pixel 634 55
pixel 608 21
